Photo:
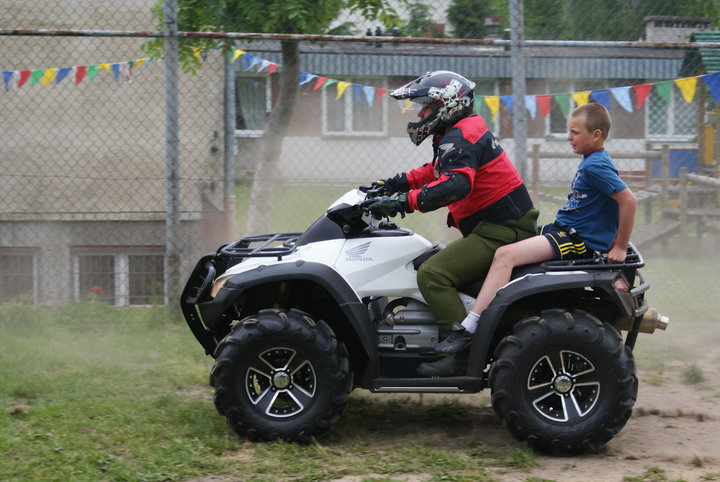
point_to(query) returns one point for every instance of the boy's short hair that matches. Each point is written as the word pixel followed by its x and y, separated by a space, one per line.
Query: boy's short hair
pixel 596 117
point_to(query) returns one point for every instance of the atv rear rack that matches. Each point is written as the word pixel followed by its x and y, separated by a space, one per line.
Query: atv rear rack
pixel 633 260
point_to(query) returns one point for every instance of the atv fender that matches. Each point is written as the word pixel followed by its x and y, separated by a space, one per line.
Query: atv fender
pixel 526 285
pixel 351 306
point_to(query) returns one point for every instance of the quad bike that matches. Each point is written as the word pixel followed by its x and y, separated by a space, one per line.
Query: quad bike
pixel 296 321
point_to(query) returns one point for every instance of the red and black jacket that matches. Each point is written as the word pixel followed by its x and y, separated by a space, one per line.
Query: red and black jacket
pixel 471 175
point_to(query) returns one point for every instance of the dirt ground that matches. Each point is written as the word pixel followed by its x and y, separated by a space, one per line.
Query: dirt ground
pixel 673 434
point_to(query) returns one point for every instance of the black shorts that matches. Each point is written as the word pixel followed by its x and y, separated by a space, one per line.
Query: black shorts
pixel 566 243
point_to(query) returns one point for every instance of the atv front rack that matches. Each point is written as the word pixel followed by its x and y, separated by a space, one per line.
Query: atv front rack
pixel 277 245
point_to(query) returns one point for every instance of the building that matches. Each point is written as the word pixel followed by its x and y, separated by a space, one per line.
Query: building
pixel 83 191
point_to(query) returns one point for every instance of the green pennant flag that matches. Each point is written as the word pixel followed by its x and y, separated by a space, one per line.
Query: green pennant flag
pixel 329 82
pixel 35 76
pixel 478 104
pixel 563 100
pixel 664 89
pixel 92 71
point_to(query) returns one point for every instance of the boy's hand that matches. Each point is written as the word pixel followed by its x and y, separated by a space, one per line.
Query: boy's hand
pixel 616 255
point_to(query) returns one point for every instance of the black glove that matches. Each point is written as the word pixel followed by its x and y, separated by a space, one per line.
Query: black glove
pixel 392 185
pixel 389 206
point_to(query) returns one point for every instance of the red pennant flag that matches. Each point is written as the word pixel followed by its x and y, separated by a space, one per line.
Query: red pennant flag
pixel 543 102
pixel 24 76
pixel 272 69
pixel 320 82
pixel 80 72
pixel 379 93
pixel 641 92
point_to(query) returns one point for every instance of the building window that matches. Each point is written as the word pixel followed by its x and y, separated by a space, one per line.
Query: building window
pixel 670 119
pixel 354 113
pixel 130 277
pixel 18 274
pixel 252 103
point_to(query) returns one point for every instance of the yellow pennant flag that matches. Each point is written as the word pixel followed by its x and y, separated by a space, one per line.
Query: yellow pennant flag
pixel 581 98
pixel 341 89
pixel 141 61
pixel 48 76
pixel 687 87
pixel 104 67
pixel 407 105
pixel 237 53
pixel 493 102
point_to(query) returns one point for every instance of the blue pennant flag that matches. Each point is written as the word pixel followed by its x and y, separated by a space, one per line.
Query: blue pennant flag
pixel 62 73
pixel 508 101
pixel 712 81
pixel 622 96
pixel 531 105
pixel 7 76
pixel 602 97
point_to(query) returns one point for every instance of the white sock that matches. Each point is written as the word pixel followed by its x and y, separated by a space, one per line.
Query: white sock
pixel 470 322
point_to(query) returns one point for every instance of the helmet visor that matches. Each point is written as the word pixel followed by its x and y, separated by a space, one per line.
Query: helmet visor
pixel 411 105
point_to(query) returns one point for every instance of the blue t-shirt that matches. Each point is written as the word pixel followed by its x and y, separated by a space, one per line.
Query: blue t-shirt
pixel 590 209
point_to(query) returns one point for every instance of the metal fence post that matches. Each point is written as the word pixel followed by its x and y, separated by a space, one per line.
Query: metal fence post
pixel 229 164
pixel 517 28
pixel 172 151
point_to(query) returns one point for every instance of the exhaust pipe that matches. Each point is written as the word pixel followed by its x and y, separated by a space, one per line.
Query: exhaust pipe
pixel 652 320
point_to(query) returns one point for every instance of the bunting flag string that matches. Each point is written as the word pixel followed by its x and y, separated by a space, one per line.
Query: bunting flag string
pixel 534 104
pixel 119 71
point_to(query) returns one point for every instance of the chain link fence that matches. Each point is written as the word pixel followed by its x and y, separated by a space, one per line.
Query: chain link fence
pixel 87 192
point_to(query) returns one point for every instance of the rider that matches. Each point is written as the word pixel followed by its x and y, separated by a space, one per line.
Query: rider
pixel 471 175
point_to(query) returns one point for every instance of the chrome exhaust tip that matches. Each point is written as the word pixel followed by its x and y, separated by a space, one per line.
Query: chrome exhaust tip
pixel 652 320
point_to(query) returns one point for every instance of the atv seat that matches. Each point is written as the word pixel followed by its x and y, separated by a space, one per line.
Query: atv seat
pixel 472 289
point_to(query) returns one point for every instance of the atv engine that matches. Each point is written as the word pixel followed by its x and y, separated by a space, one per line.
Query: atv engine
pixel 405 325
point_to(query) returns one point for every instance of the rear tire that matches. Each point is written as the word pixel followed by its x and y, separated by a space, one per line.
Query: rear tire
pixel 281 375
pixel 564 381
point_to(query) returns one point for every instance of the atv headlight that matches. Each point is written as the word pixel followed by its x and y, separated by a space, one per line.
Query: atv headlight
pixel 217 285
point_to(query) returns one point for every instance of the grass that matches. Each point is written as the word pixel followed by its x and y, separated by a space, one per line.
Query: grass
pixel 89 392
pixel 692 374
pixel 101 393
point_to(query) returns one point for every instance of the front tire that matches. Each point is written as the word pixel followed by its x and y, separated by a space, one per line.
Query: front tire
pixel 564 381
pixel 281 375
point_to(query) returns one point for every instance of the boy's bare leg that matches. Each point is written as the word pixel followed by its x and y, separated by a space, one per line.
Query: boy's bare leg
pixel 527 251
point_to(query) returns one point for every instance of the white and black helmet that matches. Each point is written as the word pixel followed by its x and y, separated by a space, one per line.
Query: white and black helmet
pixel 451 95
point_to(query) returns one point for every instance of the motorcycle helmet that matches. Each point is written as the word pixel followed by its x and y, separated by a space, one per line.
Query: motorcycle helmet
pixel 451 96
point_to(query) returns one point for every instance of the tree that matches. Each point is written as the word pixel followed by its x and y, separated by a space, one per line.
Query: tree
pixel 264 16
pixel 420 23
pixel 576 19
pixel 604 19
pixel 468 18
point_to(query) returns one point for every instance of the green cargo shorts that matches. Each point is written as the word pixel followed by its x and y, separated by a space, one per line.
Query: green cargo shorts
pixel 466 260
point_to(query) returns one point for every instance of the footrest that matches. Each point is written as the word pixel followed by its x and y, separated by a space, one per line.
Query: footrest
pixel 428 385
